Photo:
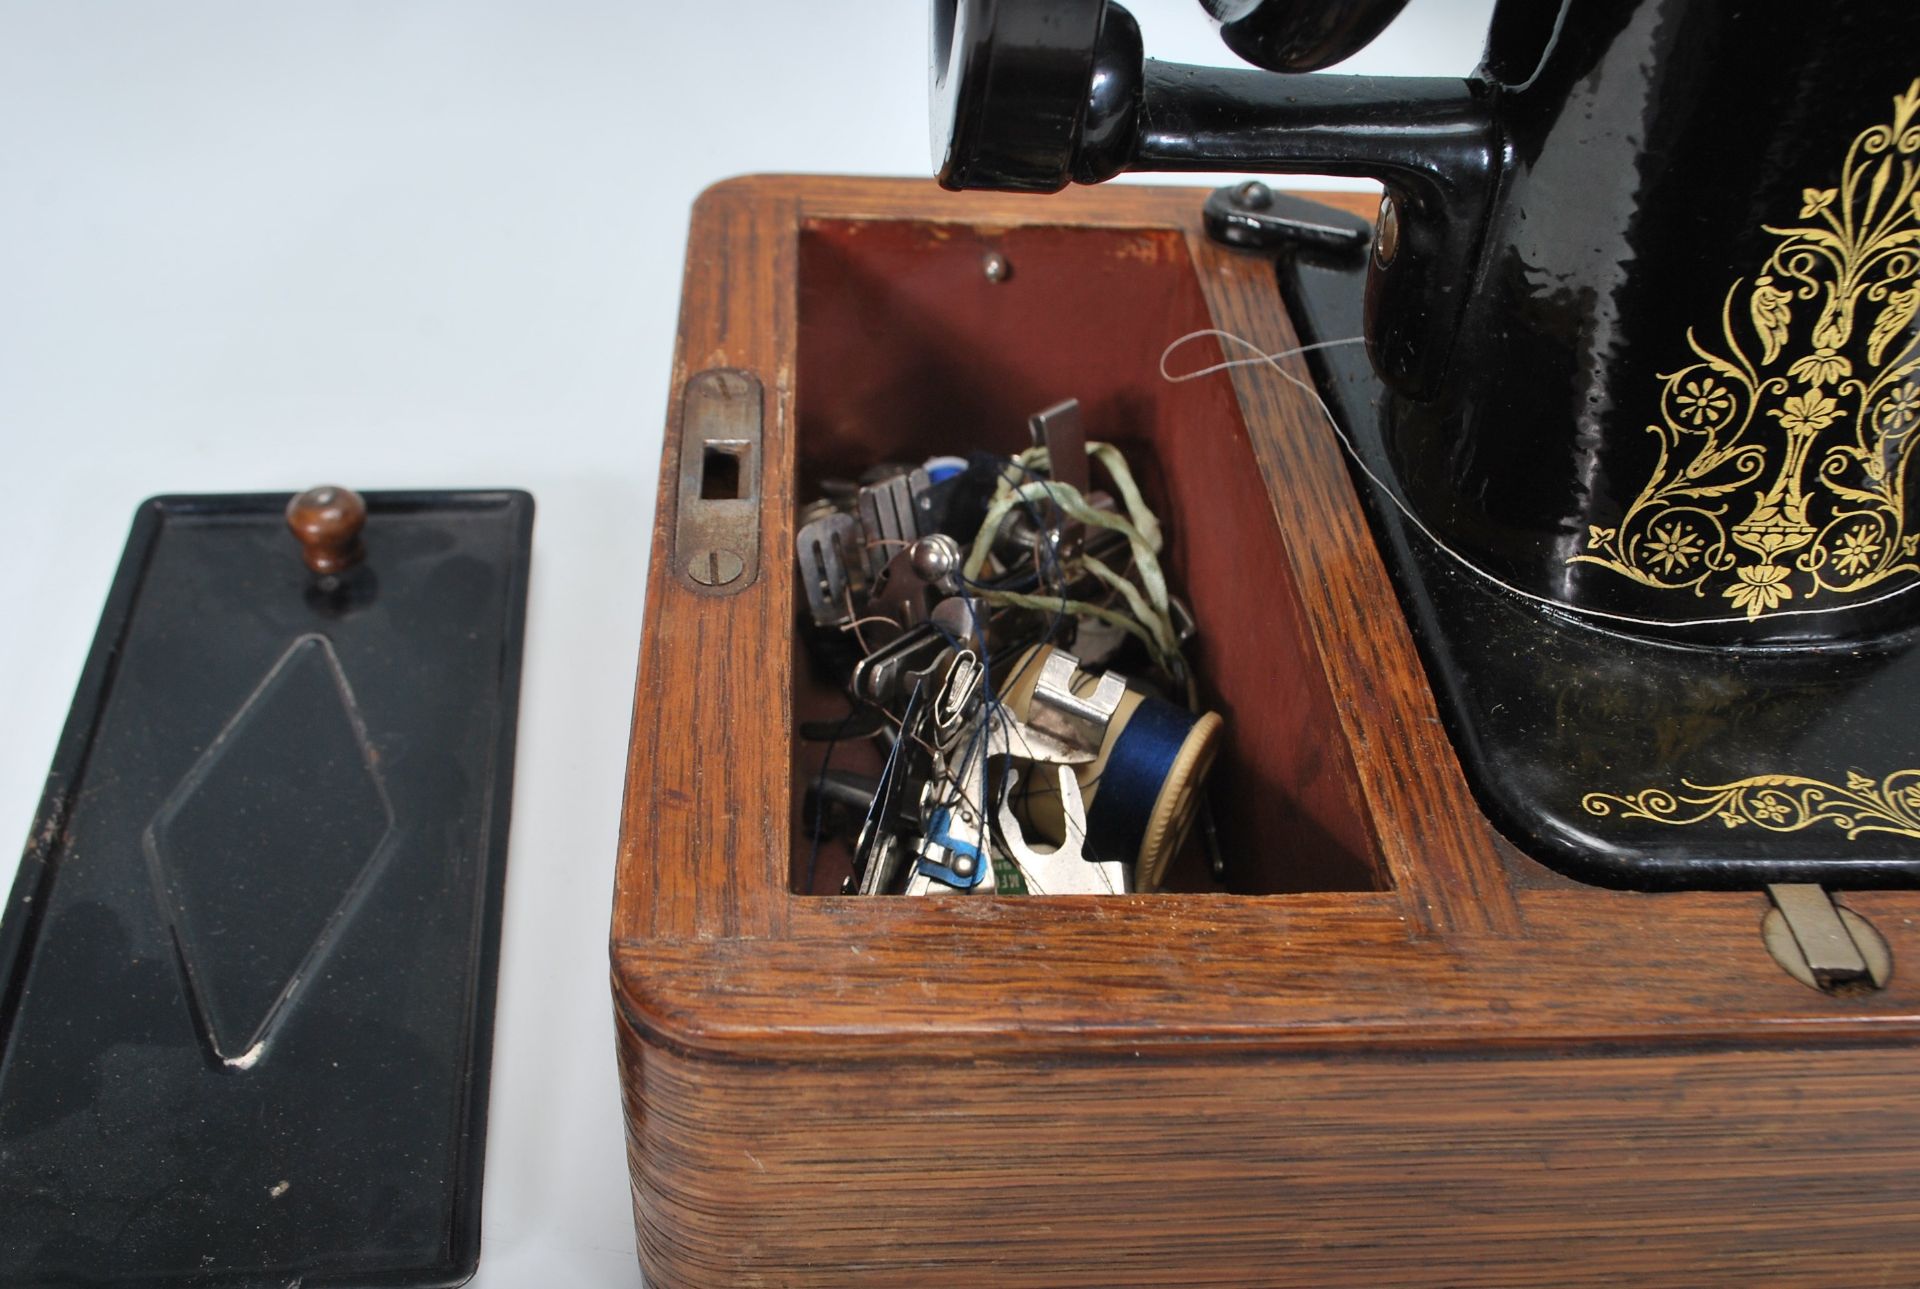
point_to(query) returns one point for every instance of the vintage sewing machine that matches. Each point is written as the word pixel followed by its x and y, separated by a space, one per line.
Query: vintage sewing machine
pixel 1552 580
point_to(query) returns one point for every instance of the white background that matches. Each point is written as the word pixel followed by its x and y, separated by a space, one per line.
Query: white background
pixel 250 246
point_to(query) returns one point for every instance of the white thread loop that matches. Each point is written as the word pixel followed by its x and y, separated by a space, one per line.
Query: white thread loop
pixel 1259 356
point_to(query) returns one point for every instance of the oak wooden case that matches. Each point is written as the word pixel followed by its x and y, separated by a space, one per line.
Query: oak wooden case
pixel 1386 1049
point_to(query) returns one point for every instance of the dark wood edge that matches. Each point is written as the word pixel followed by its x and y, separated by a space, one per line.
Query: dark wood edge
pixel 1634 971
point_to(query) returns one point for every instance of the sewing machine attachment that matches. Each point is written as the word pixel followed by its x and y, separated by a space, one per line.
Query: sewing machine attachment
pixel 954 597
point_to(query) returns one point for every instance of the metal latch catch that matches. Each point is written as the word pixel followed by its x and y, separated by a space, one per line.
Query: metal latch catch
pixel 716 529
pixel 1822 945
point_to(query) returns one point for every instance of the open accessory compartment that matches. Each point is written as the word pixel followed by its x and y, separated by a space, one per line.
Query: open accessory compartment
pixel 919 337
pixel 1396 1051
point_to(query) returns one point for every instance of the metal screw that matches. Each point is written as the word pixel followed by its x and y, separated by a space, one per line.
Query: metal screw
pixel 715 567
pixel 936 558
pixel 995 266
pixel 1253 195
pixel 1386 235
pixel 963 865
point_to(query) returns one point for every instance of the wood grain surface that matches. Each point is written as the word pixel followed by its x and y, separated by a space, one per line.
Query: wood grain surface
pixel 1434 1063
pixel 1734 1168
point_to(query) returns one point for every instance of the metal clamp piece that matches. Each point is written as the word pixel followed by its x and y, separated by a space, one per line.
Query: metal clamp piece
pixel 1057 710
pixel 1252 216
pixel 883 675
pixel 716 529
pixel 953 855
pixel 963 680
pixel 1059 431
pixel 822 548
pixel 1821 944
pixel 1066 869
pixel 890 513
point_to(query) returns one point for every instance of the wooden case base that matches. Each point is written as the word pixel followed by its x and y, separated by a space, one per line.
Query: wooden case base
pixel 1388 1049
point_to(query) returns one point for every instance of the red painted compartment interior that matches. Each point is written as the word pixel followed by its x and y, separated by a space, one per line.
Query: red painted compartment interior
pixel 907 349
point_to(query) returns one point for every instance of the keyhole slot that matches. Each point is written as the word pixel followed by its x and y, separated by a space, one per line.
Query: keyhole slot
pixel 716 530
pixel 720 471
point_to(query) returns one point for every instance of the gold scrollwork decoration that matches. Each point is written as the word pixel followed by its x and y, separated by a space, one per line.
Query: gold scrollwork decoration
pixel 1810 401
pixel 1778 803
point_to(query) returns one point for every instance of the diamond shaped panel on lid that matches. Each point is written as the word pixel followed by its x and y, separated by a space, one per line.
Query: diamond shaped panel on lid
pixel 261 851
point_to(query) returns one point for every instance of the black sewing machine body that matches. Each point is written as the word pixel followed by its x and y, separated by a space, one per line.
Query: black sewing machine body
pixel 1636 395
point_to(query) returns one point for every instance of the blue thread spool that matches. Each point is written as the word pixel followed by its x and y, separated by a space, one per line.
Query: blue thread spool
pixel 1142 789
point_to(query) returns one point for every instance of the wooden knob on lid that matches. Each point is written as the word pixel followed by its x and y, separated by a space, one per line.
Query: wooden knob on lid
pixel 327 521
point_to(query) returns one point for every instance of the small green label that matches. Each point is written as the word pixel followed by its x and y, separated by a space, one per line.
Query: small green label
pixel 1007 877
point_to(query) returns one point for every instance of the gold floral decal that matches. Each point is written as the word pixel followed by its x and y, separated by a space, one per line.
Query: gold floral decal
pixel 1844 397
pixel 1778 803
